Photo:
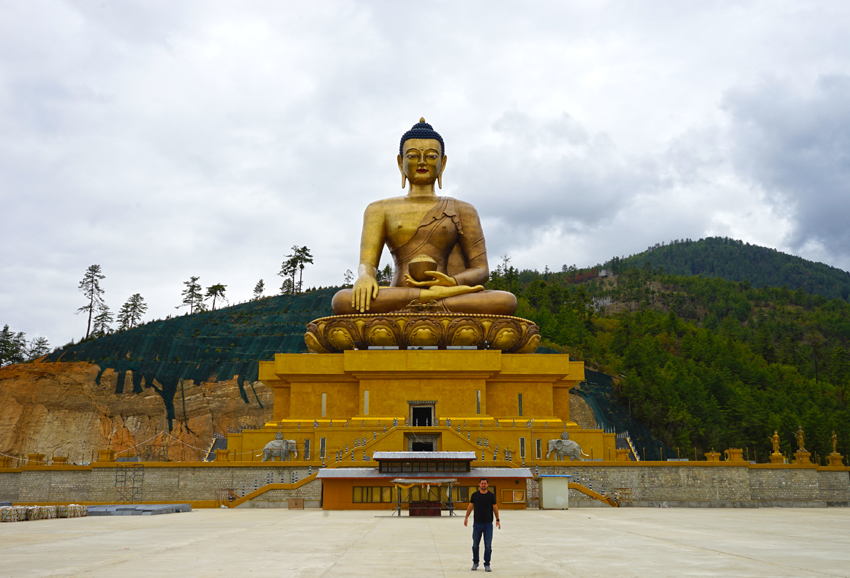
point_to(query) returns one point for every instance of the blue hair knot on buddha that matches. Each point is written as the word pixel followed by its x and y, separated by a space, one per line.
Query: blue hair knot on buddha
pixel 422 130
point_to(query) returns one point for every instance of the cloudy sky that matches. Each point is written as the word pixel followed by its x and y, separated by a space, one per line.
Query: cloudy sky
pixel 164 139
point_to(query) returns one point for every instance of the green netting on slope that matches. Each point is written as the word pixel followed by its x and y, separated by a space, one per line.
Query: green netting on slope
pixel 597 390
pixel 206 346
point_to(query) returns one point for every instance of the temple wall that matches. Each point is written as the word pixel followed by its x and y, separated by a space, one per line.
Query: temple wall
pixel 646 484
pixel 706 485
pixel 171 482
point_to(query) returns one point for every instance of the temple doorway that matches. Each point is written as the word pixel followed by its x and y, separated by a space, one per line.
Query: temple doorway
pixel 415 442
pixel 422 416
pixel 422 413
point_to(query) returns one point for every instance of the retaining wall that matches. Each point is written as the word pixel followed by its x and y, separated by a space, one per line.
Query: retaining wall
pixel 652 484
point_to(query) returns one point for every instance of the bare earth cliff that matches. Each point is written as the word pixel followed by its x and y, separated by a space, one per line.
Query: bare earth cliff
pixel 59 409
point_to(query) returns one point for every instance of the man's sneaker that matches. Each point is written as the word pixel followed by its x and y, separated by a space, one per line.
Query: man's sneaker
pixel 487 568
pixel 474 567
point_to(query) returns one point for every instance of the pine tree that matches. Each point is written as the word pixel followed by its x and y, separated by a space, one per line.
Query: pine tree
pixel 286 287
pixel 287 270
pixel 295 263
pixel 102 322
pixel 348 278
pixel 90 287
pixel 216 291
pixel 37 348
pixel 303 257
pixel 258 289
pixel 132 311
pixel 11 346
pixel 192 296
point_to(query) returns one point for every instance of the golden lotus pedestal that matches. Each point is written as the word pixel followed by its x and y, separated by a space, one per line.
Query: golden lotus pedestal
pixel 441 330
pixel 802 457
pixel 835 459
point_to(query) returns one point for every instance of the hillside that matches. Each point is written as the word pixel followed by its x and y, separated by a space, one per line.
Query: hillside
pixel 706 362
pixel 189 376
pixel 738 261
pixel 210 346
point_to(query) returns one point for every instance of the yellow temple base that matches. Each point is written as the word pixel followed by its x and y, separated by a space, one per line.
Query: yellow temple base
pixel 341 408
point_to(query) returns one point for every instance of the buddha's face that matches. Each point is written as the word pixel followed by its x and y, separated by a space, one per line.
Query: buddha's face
pixel 422 161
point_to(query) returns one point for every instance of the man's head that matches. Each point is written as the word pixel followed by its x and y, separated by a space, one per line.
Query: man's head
pixel 422 155
pixel 483 484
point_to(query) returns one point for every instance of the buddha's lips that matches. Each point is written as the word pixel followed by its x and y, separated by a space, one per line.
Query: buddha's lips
pixel 421 170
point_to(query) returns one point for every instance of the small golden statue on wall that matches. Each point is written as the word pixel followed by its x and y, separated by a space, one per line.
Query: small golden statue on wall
pixel 776 457
pixel 835 459
pixel 802 456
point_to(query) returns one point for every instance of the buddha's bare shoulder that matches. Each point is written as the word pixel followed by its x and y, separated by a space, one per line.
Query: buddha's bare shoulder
pixel 384 204
pixel 465 208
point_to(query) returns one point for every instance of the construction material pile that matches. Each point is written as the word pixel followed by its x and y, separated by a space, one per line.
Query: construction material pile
pixel 24 513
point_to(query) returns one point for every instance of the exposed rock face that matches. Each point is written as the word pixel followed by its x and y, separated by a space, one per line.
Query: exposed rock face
pixel 59 409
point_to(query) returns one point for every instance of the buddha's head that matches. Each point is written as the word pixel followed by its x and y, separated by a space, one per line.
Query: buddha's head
pixel 422 155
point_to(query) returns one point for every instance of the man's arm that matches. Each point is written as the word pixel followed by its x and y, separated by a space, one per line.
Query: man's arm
pixel 468 512
pixel 496 512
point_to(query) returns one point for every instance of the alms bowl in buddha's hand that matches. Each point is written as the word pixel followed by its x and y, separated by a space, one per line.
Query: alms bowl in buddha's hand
pixel 419 266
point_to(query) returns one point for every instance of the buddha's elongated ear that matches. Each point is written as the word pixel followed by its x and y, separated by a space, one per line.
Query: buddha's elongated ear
pixel 442 168
pixel 401 170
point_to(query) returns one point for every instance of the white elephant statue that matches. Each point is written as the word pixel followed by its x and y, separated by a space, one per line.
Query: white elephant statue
pixel 279 448
pixel 565 447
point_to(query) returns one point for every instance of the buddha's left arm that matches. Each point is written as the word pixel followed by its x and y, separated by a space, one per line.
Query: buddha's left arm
pixel 477 270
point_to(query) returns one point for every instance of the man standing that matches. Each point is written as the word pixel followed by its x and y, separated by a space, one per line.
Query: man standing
pixel 484 504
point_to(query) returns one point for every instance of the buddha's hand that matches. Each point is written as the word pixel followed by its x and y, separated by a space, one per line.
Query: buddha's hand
pixel 365 289
pixel 438 292
pixel 438 280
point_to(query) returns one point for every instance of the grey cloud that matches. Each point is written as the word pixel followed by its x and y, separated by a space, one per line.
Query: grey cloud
pixel 545 171
pixel 795 143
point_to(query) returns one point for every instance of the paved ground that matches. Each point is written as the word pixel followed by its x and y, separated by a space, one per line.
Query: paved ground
pixel 580 542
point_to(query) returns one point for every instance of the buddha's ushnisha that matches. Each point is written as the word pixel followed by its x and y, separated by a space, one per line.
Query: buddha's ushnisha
pixel 415 227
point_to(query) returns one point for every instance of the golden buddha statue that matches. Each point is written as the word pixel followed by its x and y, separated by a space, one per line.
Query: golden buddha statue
pixel 436 298
pixel 441 233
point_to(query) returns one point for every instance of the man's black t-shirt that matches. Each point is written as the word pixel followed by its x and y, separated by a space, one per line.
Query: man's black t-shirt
pixel 483 507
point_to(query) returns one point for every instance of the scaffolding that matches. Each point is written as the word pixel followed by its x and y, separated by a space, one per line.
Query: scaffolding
pixel 129 483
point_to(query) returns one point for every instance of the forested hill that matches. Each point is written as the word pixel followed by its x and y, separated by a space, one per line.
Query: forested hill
pixel 705 362
pixel 211 345
pixel 738 261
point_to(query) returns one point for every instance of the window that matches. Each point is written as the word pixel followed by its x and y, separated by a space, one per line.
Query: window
pixel 519 404
pixel 371 495
pixel 539 451
pixel 366 402
pixel 306 450
pixel 478 402
pixel 321 447
pixel 324 404
pixel 513 496
pixel 522 447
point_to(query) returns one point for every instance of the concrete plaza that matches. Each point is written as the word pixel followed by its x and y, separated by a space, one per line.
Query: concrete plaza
pixel 585 542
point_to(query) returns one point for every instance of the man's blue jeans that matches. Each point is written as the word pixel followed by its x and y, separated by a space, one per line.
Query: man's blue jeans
pixel 477 531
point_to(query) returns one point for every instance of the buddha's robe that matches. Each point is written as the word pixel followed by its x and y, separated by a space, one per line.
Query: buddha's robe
pixel 451 234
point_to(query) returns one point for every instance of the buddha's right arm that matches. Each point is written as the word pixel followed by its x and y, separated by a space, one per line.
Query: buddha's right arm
pixel 372 239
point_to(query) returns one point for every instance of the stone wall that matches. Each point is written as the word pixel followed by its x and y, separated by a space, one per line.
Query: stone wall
pixel 651 485
pixel 740 486
pixel 834 488
pixel 161 483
